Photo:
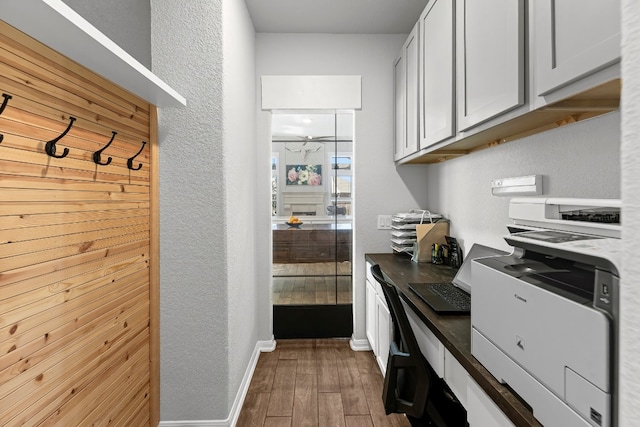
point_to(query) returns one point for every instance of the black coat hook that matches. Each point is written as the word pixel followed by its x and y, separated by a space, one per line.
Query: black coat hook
pixel 2 107
pixel 96 155
pixel 4 103
pixel 50 148
pixel 130 160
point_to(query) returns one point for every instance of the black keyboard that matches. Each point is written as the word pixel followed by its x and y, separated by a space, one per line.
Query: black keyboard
pixel 452 295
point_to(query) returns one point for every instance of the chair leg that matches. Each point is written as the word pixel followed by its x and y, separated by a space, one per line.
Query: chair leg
pixel 430 418
pixel 421 422
pixel 389 387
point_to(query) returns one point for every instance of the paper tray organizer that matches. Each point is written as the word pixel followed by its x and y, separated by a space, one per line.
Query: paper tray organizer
pixel 405 230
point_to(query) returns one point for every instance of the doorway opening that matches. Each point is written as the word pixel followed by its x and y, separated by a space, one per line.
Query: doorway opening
pixel 312 224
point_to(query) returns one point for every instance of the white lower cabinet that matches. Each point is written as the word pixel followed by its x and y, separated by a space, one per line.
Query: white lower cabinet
pixel 481 410
pixel 371 313
pixel 429 344
pixel 441 360
pixel 384 333
pixel 456 377
pixel 378 318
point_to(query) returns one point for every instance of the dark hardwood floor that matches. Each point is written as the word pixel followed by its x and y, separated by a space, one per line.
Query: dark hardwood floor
pixel 316 382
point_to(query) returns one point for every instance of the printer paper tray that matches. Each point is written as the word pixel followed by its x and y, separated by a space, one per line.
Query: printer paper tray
pixel 548 408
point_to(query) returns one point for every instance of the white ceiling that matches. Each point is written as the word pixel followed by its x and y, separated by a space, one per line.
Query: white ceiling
pixel 335 16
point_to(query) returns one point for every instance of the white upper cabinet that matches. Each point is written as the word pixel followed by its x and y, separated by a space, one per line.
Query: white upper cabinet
pixel 490 59
pixel 412 53
pixel 399 89
pixel 437 88
pixel 475 73
pixel 406 97
pixel 573 39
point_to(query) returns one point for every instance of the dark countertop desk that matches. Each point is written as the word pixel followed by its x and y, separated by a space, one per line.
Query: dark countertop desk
pixel 311 243
pixel 453 331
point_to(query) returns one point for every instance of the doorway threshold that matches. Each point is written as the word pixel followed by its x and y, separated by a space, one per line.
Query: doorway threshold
pixel 312 321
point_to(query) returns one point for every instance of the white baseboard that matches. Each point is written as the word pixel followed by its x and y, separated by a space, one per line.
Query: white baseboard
pixel 359 345
pixel 261 347
pixel 195 423
pixel 232 419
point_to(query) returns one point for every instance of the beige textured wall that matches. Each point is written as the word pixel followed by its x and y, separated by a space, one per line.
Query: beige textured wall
pixel 579 160
pixel 630 292
pixel 187 54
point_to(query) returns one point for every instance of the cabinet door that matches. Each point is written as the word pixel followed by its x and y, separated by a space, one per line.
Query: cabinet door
pixel 430 345
pixel 456 377
pixel 371 315
pixel 400 79
pixel 490 59
pixel 384 334
pixel 437 73
pixel 411 53
pixel 574 38
pixel 407 132
pixel 481 410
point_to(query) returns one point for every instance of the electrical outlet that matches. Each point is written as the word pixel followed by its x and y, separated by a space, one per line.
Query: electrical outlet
pixel 384 222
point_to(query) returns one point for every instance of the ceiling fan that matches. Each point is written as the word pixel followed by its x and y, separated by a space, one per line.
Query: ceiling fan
pixel 310 138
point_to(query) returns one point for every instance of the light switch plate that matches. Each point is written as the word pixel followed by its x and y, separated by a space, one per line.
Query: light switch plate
pixel 384 222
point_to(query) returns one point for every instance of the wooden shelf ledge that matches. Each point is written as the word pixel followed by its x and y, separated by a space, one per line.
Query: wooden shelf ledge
pixel 58 26
pixel 594 102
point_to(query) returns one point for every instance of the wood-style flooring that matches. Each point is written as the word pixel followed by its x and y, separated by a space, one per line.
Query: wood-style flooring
pixel 312 283
pixel 316 382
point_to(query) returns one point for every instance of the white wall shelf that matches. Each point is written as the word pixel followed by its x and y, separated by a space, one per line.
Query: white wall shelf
pixel 58 26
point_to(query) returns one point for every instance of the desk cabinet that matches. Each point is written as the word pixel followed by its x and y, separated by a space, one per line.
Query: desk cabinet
pixel 378 318
pixel 481 410
pixel 384 331
pixel 456 377
pixel 445 341
pixel 371 314
pixel 429 344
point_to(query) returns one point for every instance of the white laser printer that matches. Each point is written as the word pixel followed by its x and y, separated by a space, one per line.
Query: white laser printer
pixel 544 318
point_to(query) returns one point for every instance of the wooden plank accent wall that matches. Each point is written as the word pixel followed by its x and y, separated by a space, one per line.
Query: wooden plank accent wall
pixel 78 246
